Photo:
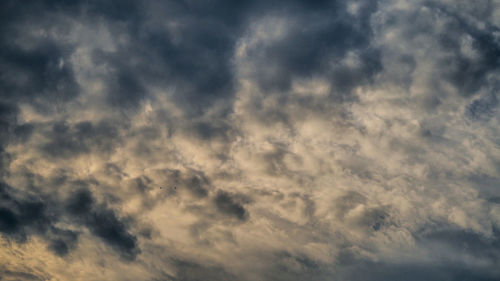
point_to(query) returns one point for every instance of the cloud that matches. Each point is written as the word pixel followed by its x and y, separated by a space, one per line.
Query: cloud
pixel 249 140
pixel 20 218
pixel 104 223
pixel 83 137
pixel 227 205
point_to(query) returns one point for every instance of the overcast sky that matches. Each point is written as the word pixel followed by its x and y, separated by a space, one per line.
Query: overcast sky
pixel 347 140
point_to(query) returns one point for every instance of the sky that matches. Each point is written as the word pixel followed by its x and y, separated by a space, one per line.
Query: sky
pixel 183 140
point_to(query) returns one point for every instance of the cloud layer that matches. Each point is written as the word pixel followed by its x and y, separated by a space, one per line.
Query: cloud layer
pixel 249 140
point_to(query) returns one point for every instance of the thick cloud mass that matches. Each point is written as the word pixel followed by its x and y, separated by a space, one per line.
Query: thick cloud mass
pixel 250 140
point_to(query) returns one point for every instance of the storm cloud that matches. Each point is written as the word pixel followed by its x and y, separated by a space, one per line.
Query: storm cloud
pixel 249 140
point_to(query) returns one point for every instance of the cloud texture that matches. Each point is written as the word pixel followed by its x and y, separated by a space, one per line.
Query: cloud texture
pixel 250 140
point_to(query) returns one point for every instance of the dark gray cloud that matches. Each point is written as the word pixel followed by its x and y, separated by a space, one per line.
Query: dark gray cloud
pixel 62 241
pixel 227 204
pixel 39 72
pixel 17 275
pixel 20 218
pixel 8 120
pixel 104 223
pixel 83 137
pixel 316 42
pixel 190 271
pixel 463 241
pixel 482 108
pixel 414 272
pixel 288 266
pixel 466 73
pixel 191 180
